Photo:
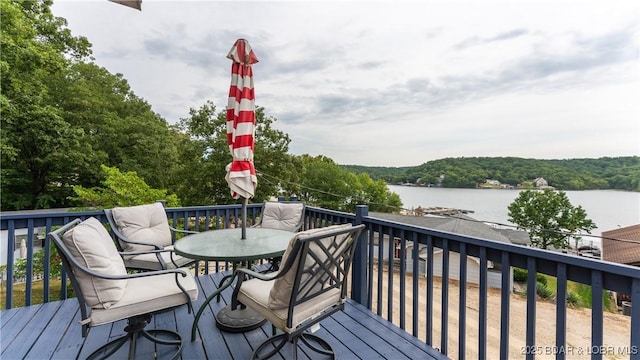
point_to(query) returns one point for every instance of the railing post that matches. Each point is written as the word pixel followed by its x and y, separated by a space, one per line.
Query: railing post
pixel 359 274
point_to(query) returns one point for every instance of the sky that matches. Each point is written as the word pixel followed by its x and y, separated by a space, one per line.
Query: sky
pixel 392 83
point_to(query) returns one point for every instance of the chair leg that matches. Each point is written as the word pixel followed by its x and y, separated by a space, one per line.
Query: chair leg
pixel 135 329
pixel 281 340
pixel 313 342
pixel 110 348
pixel 325 348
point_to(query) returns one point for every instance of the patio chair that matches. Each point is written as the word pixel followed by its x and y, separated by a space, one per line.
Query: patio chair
pixel 282 215
pixel 310 286
pixel 143 228
pixel 106 293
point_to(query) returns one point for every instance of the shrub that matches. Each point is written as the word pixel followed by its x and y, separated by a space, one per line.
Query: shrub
pixel 20 265
pixel 573 299
pixel 541 279
pixel 519 275
pixel 543 291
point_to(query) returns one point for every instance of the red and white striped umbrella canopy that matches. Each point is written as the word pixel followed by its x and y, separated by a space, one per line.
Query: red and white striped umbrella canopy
pixel 241 121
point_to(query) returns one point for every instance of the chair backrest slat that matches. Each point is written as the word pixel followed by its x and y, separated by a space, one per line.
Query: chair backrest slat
pixel 321 263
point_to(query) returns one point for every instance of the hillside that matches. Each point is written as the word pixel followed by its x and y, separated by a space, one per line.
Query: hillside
pixel 619 173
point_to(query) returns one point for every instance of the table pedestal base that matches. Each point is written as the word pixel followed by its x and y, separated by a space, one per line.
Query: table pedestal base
pixel 239 320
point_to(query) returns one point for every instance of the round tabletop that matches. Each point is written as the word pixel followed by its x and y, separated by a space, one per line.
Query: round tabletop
pixel 227 244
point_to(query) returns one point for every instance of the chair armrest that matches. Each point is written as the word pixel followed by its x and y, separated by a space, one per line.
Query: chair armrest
pixel 141 252
pixel 244 273
pixel 100 275
pixel 157 247
pixel 178 272
pixel 157 252
pixel 182 231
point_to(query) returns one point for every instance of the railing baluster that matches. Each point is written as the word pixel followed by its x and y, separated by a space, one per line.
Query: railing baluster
pixel 634 341
pixel 462 303
pixel 596 314
pixel 505 304
pixel 429 304
pixel 11 233
pixel 390 260
pixel 46 283
pixel 561 311
pixel 402 279
pixel 531 309
pixel 380 267
pixel 29 271
pixel 482 311
pixel 370 267
pixel 416 282
pixel 444 303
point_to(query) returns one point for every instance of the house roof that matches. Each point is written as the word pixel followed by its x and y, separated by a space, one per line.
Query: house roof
pixel 517 237
pixel 622 245
pixel 458 224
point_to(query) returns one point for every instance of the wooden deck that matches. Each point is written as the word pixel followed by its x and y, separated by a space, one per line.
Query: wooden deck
pixel 52 331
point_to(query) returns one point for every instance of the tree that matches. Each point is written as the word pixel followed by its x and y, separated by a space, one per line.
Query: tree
pixel 37 144
pixel 62 115
pixel 120 129
pixel 204 153
pixel 325 184
pixel 122 189
pixel 549 218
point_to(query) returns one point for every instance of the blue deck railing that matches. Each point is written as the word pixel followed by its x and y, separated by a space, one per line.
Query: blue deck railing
pixel 380 279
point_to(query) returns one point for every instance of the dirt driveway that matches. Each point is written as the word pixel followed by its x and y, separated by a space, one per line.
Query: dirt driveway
pixel 616 327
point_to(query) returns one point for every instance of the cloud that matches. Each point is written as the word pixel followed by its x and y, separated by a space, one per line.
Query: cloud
pixel 475 40
pixel 377 83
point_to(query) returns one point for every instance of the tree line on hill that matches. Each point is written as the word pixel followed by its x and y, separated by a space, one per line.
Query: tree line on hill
pixel 619 173
pixel 73 134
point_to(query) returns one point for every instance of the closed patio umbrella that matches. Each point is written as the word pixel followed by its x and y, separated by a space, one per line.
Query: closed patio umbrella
pixel 241 125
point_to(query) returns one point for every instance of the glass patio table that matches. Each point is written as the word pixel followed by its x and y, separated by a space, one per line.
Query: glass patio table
pixel 227 245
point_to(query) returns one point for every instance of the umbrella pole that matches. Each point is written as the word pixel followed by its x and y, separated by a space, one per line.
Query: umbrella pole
pixel 244 218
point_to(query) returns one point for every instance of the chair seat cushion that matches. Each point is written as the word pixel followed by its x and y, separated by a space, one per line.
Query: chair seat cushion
pixel 145 295
pixel 144 223
pixel 255 294
pixel 150 261
pixel 91 245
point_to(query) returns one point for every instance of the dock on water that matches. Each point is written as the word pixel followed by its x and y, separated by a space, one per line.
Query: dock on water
pixel 436 210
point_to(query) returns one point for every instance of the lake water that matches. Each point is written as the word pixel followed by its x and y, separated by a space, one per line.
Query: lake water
pixel 608 209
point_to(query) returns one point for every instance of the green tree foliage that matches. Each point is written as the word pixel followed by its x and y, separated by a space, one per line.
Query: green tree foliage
pixel 121 189
pixel 204 153
pixel 325 184
pixel 37 143
pixel 549 218
pixel 63 115
pixel 120 129
pixel 621 173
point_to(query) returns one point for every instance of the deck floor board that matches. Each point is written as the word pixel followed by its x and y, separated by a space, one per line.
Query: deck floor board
pixel 52 331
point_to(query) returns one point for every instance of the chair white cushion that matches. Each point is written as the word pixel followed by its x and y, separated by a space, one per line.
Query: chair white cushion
pixel 90 243
pixel 148 294
pixel 280 292
pixel 255 294
pixel 283 216
pixel 145 223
